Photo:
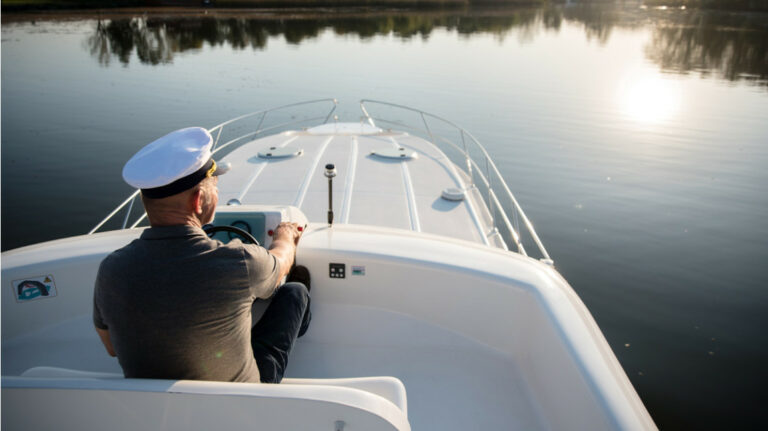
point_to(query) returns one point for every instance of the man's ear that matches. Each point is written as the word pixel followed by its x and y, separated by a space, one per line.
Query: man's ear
pixel 196 201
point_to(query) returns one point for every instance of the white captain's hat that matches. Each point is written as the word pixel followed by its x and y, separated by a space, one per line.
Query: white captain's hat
pixel 176 162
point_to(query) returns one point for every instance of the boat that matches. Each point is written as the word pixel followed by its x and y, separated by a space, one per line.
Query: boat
pixel 436 306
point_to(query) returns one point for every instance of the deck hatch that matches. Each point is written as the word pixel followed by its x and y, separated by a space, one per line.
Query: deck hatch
pixel 395 153
pixel 453 194
pixel 280 152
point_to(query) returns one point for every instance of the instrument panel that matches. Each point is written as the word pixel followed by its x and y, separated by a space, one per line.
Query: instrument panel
pixel 258 220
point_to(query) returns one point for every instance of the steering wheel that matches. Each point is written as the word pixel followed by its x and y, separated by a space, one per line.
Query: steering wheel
pixel 210 230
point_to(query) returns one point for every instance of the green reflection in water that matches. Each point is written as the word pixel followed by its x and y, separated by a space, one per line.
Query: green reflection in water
pixel 727 45
pixel 155 40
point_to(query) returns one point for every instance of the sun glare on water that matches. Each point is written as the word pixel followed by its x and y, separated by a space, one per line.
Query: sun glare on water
pixel 649 98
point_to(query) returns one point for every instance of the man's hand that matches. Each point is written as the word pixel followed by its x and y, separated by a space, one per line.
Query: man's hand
pixel 283 247
pixel 288 231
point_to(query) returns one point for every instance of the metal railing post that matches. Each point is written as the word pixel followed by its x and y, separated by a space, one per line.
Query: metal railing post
pixel 114 211
pixel 431 137
pixel 218 135
pixel 467 159
pixel 128 214
pixel 490 191
pixel 335 103
pixel 264 115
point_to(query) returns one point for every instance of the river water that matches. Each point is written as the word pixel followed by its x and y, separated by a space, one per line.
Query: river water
pixel 635 139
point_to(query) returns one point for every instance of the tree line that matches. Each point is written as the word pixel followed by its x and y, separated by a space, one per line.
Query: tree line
pixel 732 46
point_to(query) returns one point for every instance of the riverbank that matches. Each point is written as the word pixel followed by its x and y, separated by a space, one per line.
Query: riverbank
pixel 34 5
pixel 725 5
pixel 47 5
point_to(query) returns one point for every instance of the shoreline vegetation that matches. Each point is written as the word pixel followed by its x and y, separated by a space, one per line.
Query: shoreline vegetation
pixel 44 5
pixel 54 5
pixel 728 45
pixel 724 5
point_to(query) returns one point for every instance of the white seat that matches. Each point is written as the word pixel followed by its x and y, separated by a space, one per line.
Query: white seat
pixel 75 399
pixel 56 372
pixel 389 388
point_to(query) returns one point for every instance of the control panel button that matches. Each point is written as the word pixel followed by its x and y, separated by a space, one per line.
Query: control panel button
pixel 337 270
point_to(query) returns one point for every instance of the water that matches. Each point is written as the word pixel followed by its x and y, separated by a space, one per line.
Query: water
pixel 635 139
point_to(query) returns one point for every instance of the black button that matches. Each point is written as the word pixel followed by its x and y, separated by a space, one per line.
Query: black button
pixel 337 270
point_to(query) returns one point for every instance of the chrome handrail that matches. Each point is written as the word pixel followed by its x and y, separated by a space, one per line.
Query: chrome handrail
pixel 264 113
pixel 491 172
pixel 115 211
pixel 217 130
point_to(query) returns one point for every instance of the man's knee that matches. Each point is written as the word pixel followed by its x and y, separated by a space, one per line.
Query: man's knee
pixel 297 291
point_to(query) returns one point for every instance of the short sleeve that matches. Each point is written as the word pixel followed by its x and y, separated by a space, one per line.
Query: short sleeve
pixel 263 270
pixel 98 319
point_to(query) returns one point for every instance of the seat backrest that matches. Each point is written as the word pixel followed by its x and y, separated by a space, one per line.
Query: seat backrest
pixel 141 404
pixel 389 388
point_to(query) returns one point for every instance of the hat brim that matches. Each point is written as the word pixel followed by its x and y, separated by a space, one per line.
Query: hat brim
pixel 209 169
pixel 221 168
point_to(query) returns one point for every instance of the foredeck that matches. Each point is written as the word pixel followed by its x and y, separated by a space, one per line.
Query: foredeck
pixel 387 190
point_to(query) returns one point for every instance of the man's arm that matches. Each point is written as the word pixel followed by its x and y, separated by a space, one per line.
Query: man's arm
pixel 104 335
pixel 98 320
pixel 283 246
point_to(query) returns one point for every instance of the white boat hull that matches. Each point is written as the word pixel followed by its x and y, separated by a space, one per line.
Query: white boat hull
pixel 481 338
pixel 431 304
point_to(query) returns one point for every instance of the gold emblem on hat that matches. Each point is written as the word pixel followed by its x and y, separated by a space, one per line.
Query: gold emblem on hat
pixel 212 170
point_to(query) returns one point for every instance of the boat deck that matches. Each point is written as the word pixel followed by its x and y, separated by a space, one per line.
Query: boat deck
pixel 384 178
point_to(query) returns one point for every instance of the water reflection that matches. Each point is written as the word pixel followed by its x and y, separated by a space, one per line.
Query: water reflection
pixel 155 40
pixel 598 20
pixel 730 46
pixel 712 43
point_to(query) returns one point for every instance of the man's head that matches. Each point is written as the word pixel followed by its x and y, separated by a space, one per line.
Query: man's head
pixel 195 206
pixel 177 177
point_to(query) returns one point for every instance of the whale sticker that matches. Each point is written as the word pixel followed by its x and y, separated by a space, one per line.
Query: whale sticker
pixel 32 288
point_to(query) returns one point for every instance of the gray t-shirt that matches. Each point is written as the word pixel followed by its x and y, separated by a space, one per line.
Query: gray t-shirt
pixel 178 304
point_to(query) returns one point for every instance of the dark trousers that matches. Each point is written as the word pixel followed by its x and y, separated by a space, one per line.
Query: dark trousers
pixel 273 336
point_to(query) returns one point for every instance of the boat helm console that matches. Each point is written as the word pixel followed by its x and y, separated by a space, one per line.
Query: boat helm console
pixel 257 220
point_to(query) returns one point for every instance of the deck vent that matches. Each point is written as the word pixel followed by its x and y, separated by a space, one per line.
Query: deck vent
pixel 395 153
pixel 280 152
pixel 453 194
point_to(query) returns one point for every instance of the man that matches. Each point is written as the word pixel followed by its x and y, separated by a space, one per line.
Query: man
pixel 175 304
